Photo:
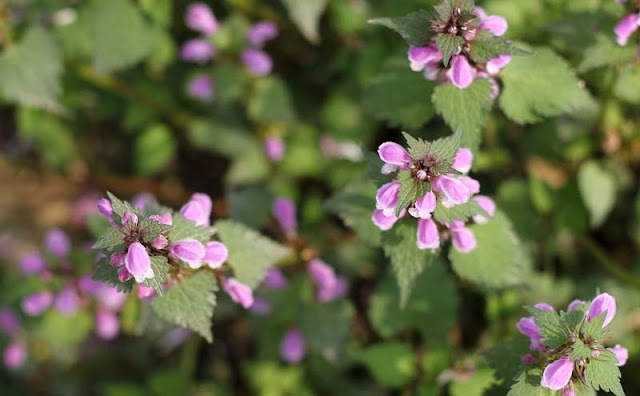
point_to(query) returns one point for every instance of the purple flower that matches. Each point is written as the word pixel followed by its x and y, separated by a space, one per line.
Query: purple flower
pixel 568 391
pixel 190 251
pixel 293 347
pixel 262 32
pixel 461 72
pixel 602 303
pixel 284 211
pixel 201 87
pixel 257 61
pixel 14 355
pixel 110 298
pixel 160 242
pixel 424 206
pixel 138 262
pixel 394 154
pixel 328 294
pixel 622 354
pixel 463 160
pixel 206 203
pixel 274 148
pixel 67 301
pixel 428 236
pixel 463 240
pixel 543 306
pixel 9 322
pixel 387 197
pixel 528 359
pixel 37 303
pixel 107 325
pixel 528 327
pixel 575 304
pixel 383 221
pixel 495 24
pixel 216 253
pixel 129 218
pixel 260 307
pixel 625 28
pixel 140 200
pixel 322 275
pixel 558 374
pixel 421 57
pixel 494 65
pixel 275 279
pixel 58 243
pixel 197 50
pixel 471 184
pixel 124 274
pixel 200 18
pixel 146 293
pixel 239 292
pixel 193 211
pixel 454 190
pixel 87 285
pixel 105 208
pixel 117 259
pixel 488 205
pixel 32 263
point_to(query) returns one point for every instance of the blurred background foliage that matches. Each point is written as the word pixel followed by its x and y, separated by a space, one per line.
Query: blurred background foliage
pixel 93 98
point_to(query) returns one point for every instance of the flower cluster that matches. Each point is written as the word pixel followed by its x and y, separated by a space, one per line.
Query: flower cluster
pixel 448 188
pixel 627 26
pixel 566 362
pixel 461 70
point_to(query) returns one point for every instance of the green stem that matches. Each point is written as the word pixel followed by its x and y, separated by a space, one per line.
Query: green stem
pixel 608 263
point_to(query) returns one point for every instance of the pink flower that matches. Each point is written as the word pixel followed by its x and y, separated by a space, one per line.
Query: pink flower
pixel 383 221
pixel 200 18
pixel 463 240
pixel 138 262
pixel 105 208
pixel 625 28
pixel 394 154
pixel 146 293
pixel 216 253
pixel 275 279
pixel 387 197
pixel 622 354
pixel 528 359
pixel 420 57
pixel 205 203
pixel 58 243
pixel 14 355
pixel 257 62
pixel 328 294
pixel 201 87
pixel 190 251
pixel 160 242
pixel 463 160
pixel 274 148
pixel 117 259
pixel 543 306
pixel 575 304
pixel 107 325
pixel 461 72
pixel 284 211
pixel 495 24
pixel 261 307
pixel 428 236
pixel 129 218
pixel 424 206
pixel 488 205
pixel 528 327
pixel 322 275
pixel 293 348
pixel 9 322
pixel 67 301
pixel 455 192
pixel 558 374
pixel 602 303
pixel 32 263
pixel 494 65
pixel 124 274
pixel 197 50
pixel 37 303
pixel 239 293
pixel 262 32
pixel 193 211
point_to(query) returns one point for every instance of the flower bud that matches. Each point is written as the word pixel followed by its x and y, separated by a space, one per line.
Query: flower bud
pixel 461 72
pixel 602 303
pixel 257 62
pixel 322 275
pixel 495 24
pixel 428 235
pixel 383 221
pixel 463 160
pixel 625 28
pixel 575 304
pixel 293 347
pixel 197 51
pixel 528 327
pixel 9 322
pixel 262 32
pixel 105 208
pixel 200 87
pixel 260 307
pixel 463 240
pixel 568 391
pixel 160 242
pixel 558 374
pixel 528 359
pixel 622 354
pixel 284 211
pixel 107 325
pixel 543 306
pixel 190 251
pixel 424 206
pixel 129 218
pixel 117 259
pixel 274 148
pixel 141 200
pixel 14 355
pixel 146 293
pixel 193 211
pixel 488 205
pixel 328 294
pixel 420 57
pixel 67 301
pixel 394 154
pixel 216 253
pixel 239 293
pixel 200 18
pixel 37 303
pixel 205 202
pixel 124 274
pixel 387 198
pixel 275 279
pixel 138 262
pixel 58 243
pixel 32 263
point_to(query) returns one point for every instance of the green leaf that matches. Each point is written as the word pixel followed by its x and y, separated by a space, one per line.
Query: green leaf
pixel 598 190
pixel 555 332
pixel 444 150
pixel 399 95
pixel 251 206
pixel 122 47
pixel 414 28
pixel 486 46
pixel 538 86
pixel 355 206
pixel 506 358
pixel 461 212
pixel 150 230
pixel 400 246
pixel 119 206
pixel 159 267
pixel 53 138
pixel 250 254
pixel 109 239
pixel 326 327
pixel 626 83
pixel 431 307
pixel 593 328
pixel 108 274
pixel 448 45
pixel 154 149
pixel 411 189
pixel 30 71
pixel 231 82
pixel 270 102
pixel 579 351
pixel 190 303
pixel 183 229
pixel 391 363
pixel 605 52
pixel 306 14
pixel 417 147
pixel 497 261
pixel 465 110
pixel 603 373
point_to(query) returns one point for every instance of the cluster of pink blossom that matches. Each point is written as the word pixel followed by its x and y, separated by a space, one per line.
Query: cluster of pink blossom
pixel 462 70
pixel 627 26
pixel 448 189
pixel 328 285
pixel 558 373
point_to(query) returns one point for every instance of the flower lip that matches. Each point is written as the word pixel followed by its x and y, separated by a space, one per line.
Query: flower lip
pixel 558 374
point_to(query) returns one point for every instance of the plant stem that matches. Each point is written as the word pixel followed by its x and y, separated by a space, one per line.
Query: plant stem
pixel 608 263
